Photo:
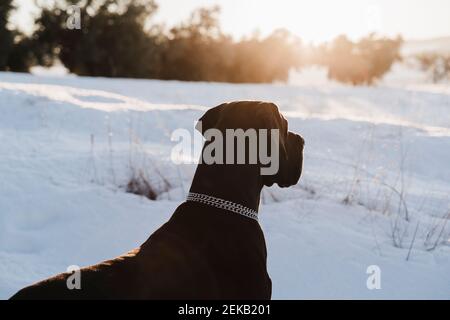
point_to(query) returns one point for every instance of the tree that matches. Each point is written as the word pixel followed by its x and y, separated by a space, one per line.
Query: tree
pixel 6 35
pixel 361 62
pixel 266 60
pixel 197 50
pixel 437 65
pixel 112 41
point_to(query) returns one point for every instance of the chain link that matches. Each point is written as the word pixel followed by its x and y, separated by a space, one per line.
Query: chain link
pixel 223 204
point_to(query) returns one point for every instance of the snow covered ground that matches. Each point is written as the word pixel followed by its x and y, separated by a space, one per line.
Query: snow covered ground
pixel 375 188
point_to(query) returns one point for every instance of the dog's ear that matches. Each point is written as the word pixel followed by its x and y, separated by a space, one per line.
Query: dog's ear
pixel 210 119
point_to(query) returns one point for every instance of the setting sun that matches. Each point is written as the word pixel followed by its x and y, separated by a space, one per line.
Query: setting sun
pixel 322 20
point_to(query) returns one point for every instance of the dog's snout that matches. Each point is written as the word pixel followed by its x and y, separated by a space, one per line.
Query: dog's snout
pixel 295 140
pixel 302 140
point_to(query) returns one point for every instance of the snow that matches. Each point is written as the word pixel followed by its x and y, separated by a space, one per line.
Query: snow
pixel 69 145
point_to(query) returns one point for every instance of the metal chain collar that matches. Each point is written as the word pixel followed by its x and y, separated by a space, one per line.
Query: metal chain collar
pixel 223 204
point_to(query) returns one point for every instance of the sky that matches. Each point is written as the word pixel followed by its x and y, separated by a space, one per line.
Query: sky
pixel 313 20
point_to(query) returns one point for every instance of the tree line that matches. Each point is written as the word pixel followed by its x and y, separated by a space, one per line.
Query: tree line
pixel 118 38
pixel 437 65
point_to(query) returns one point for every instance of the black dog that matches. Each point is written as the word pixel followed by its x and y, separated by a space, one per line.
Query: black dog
pixel 211 248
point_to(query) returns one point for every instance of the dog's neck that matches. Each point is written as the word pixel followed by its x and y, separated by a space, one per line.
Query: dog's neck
pixel 241 184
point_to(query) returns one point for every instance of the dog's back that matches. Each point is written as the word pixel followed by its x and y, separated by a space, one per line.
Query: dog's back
pixel 200 253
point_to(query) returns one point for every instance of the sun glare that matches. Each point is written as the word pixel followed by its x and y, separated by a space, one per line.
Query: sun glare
pixel 313 21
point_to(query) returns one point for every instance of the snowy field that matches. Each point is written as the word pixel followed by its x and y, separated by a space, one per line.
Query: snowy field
pixel 375 188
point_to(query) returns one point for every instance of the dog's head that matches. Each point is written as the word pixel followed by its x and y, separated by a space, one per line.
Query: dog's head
pixel 261 115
